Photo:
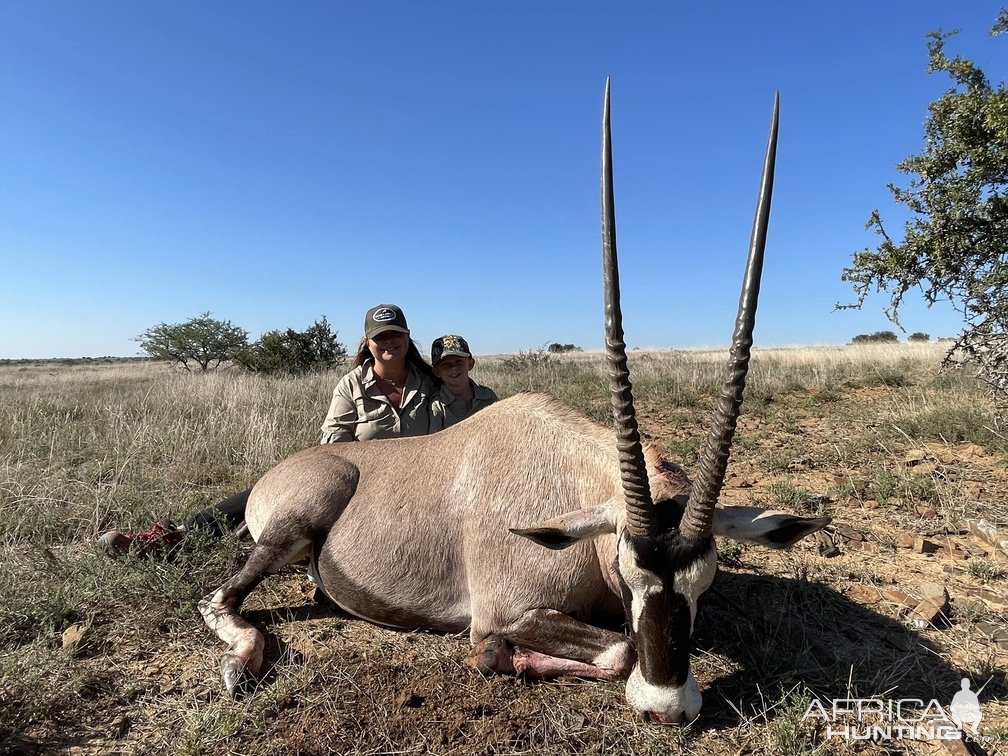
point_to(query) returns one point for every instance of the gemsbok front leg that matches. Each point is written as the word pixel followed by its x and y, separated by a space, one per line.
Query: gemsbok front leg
pixel 545 643
pixel 243 660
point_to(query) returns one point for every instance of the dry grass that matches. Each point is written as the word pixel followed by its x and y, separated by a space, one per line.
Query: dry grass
pixel 824 430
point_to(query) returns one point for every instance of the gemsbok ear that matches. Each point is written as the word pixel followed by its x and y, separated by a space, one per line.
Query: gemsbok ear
pixel 766 527
pixel 570 528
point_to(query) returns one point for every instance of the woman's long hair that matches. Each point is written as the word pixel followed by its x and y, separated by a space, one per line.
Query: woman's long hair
pixel 413 358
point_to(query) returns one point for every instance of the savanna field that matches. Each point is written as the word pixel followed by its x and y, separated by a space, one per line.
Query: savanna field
pixel 902 597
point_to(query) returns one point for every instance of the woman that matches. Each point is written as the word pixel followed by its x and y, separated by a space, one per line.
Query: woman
pixel 387 394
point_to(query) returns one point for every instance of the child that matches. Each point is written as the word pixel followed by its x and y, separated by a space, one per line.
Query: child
pixel 459 396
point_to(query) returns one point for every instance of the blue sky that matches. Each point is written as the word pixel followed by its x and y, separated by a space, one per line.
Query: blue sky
pixel 276 162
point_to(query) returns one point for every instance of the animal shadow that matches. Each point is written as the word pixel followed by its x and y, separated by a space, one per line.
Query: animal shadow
pixel 779 634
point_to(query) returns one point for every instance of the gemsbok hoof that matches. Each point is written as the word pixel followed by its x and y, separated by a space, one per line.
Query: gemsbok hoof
pixel 237 680
pixel 492 656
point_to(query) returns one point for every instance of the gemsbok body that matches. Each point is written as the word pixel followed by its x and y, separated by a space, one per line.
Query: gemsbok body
pixel 526 524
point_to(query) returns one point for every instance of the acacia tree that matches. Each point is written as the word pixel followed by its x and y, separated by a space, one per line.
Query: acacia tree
pixel 201 341
pixel 955 244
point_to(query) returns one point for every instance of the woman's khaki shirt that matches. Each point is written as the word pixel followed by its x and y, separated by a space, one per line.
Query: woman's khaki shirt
pixel 360 411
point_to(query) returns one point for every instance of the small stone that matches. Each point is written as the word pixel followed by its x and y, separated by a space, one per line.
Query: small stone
pixel 870 504
pixel 971 550
pixel 971 451
pixel 932 592
pixel 973 489
pixel 988 628
pixel 824 538
pixel 926 511
pixel 905 540
pixel 986 531
pixel 955 747
pixel 934 605
pixel 72 636
pixel 953 550
pixel 927 613
pixel 924 546
pixel 982 530
pixel 914 457
pixel 848 533
pixel 829 551
pixel 737 481
pixel 894 596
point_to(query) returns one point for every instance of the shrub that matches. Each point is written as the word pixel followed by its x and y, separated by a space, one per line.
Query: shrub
pixel 877 337
pixel 294 353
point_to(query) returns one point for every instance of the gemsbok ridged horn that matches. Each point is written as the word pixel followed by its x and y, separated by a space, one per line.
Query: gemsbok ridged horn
pixel 636 491
pixel 699 514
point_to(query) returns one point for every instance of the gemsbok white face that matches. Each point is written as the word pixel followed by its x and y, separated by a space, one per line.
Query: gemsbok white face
pixel 662 578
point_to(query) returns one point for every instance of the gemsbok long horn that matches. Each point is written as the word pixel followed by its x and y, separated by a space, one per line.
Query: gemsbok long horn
pixel 640 519
pixel 699 514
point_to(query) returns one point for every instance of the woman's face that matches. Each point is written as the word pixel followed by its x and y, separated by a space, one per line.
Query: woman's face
pixel 390 347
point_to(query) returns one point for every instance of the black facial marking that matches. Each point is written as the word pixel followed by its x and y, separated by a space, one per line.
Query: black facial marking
pixel 663 638
pixel 667 552
pixel 663 629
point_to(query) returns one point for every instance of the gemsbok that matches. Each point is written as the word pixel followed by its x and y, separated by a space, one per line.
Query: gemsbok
pixel 446 532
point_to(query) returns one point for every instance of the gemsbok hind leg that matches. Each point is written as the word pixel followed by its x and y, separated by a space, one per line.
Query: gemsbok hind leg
pixel 545 643
pixel 243 659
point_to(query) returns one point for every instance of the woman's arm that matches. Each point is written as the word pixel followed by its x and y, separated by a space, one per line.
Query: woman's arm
pixel 341 422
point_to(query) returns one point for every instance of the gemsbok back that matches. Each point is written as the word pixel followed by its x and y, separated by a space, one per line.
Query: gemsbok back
pixel 447 532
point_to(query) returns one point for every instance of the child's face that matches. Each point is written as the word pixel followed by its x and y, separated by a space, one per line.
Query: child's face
pixel 454 372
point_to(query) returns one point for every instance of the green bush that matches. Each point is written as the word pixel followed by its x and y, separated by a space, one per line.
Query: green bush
pixel 877 337
pixel 558 348
pixel 294 353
